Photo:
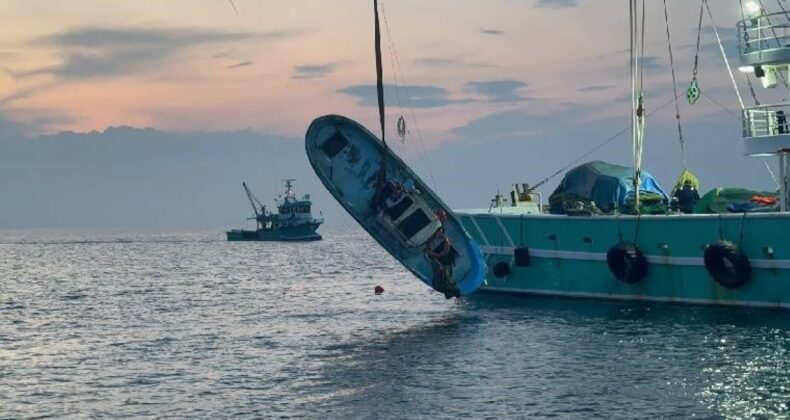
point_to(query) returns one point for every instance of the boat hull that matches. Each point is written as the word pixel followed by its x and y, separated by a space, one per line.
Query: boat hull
pixel 301 233
pixel 347 157
pixel 568 256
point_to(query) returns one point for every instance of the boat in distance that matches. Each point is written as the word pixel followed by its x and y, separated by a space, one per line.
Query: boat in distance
pixel 402 214
pixel 293 220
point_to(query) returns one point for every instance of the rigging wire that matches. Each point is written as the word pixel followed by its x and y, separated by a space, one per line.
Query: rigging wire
pixel 596 148
pixel 675 88
pixel 724 55
pixel 233 5
pixel 409 104
pixel 728 110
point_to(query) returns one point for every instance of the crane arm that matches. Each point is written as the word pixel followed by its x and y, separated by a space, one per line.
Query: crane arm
pixel 254 202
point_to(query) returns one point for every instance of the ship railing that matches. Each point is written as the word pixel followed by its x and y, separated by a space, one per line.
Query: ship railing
pixel 764 33
pixel 766 120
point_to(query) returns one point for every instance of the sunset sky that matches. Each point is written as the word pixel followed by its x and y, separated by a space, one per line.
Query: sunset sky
pixel 512 88
pixel 190 65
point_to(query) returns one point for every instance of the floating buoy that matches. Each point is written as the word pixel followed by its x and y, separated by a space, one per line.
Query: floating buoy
pixel 378 290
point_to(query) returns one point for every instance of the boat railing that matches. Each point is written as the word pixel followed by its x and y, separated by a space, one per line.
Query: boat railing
pixel 764 33
pixel 766 120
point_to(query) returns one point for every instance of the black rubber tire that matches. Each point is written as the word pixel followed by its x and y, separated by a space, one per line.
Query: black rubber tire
pixel 627 262
pixel 727 264
pixel 501 269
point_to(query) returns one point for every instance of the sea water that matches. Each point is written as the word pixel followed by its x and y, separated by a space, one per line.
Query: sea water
pixel 185 324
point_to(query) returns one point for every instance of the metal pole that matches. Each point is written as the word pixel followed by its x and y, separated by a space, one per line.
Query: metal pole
pixel 783 182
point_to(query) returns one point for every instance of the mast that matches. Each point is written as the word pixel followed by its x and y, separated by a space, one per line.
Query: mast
pixel 380 93
pixel 637 98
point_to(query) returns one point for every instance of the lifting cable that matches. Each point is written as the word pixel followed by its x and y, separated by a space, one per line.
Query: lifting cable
pixel 422 153
pixel 675 86
pixel 693 91
pixel 723 54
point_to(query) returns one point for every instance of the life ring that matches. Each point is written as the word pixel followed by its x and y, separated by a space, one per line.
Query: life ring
pixel 727 264
pixel 444 246
pixel 627 262
pixel 501 269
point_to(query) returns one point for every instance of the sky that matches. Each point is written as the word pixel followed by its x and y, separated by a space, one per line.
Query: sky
pixel 493 92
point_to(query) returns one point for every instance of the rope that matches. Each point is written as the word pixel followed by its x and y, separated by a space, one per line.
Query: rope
pixel 724 55
pixel 721 229
pixel 699 35
pixel 731 112
pixel 743 226
pixel 675 87
pixel 751 90
pixel 394 54
pixel 595 148
pixel 636 232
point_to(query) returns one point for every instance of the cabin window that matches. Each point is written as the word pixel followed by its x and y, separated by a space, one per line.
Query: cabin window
pixel 414 223
pixel 334 144
pixel 398 209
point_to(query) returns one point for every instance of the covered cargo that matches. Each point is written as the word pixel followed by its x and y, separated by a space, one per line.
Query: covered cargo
pixel 737 200
pixel 598 187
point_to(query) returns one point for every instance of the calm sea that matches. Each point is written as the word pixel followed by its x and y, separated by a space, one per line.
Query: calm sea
pixel 184 324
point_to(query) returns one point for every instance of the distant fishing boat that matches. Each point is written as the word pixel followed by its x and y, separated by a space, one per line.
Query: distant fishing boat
pixel 293 220
pixel 391 202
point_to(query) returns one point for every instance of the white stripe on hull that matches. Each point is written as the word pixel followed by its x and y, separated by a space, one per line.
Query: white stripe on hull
pixel 599 256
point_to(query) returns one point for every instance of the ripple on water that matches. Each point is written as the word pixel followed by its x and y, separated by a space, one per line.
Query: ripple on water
pixel 99 324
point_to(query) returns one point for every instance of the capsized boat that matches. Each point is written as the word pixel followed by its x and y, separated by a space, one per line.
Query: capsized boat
pixel 408 219
pixel 390 201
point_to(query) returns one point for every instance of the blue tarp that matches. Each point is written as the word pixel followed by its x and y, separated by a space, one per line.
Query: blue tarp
pixel 604 184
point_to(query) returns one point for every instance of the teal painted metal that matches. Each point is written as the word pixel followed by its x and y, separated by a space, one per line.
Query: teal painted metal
pixel 406 221
pixel 568 255
pixel 293 220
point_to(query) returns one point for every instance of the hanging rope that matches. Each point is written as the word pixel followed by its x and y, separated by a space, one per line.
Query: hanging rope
pixel 724 55
pixel 693 91
pixel 675 88
pixel 637 93
pixel 399 76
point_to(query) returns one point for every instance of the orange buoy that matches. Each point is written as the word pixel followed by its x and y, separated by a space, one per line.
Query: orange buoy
pixel 378 289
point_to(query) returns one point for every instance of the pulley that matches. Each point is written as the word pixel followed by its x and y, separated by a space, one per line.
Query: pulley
pixel 692 93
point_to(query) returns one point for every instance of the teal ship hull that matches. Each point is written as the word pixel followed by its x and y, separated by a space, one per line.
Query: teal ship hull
pixel 303 232
pixel 568 255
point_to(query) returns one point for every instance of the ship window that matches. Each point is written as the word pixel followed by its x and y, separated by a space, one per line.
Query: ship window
pixel 414 223
pixel 333 145
pixel 399 208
